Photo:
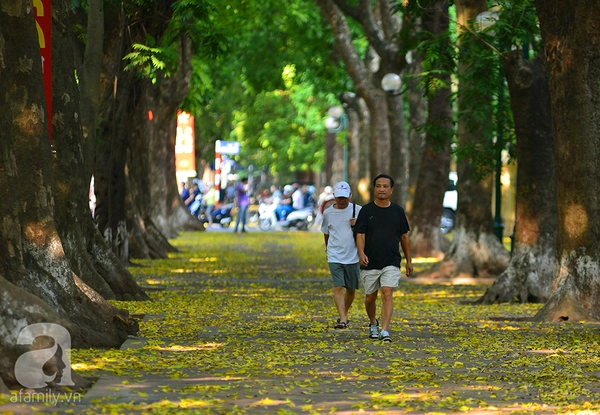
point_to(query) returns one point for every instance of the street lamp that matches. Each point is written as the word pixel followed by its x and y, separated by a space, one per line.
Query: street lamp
pixel 485 20
pixel 391 83
pixel 336 122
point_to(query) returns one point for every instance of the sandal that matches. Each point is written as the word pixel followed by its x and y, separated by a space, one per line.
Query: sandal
pixel 341 325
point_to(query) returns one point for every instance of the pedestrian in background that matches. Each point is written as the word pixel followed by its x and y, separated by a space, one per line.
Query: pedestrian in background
pixel 342 256
pixel 242 197
pixel 381 228
pixel 209 200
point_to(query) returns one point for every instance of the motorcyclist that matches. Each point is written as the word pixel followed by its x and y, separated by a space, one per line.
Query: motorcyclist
pixel 285 203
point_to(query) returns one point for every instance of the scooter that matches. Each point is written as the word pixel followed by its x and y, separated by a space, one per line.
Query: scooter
pixel 220 215
pixel 300 219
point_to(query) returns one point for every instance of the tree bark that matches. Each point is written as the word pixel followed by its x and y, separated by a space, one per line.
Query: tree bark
pixel 31 253
pixel 475 251
pixel 432 183
pixel 572 42
pixel 530 273
pixel 388 149
pixel 89 256
pixel 358 169
pixel 417 117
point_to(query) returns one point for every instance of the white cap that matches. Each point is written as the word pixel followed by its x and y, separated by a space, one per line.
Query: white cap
pixel 341 189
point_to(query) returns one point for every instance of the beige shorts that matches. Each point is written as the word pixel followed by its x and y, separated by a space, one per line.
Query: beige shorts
pixel 373 279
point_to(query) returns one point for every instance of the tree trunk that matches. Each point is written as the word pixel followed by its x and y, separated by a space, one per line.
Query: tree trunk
pixel 31 254
pixel 166 211
pixel 529 275
pixel 475 250
pixel 384 151
pixel 417 116
pixel 358 169
pixel 88 254
pixel 114 131
pixel 432 182
pixel 399 149
pixel 572 42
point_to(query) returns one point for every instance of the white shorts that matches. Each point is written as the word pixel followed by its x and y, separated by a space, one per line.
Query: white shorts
pixel 373 279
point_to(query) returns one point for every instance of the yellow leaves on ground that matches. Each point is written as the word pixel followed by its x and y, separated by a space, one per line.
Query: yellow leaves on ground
pixel 244 322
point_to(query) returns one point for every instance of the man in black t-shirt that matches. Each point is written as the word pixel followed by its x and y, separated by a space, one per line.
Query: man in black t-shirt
pixel 381 229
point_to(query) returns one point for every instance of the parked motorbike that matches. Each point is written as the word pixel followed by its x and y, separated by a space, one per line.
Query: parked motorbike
pixel 220 215
pixel 301 219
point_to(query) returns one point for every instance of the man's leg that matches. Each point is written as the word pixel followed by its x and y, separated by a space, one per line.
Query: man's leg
pixel 348 300
pixel 371 306
pixel 387 307
pixel 338 298
pixel 244 212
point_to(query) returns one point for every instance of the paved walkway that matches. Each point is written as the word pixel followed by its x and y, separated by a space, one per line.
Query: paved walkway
pixel 259 340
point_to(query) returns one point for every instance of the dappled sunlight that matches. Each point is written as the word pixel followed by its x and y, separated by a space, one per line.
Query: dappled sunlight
pixel 254 331
pixel 179 348
pixel 213 259
pixel 576 221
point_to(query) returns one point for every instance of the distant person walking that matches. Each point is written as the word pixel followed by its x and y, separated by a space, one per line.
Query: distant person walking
pixel 381 228
pixel 243 201
pixel 342 256
pixel 209 200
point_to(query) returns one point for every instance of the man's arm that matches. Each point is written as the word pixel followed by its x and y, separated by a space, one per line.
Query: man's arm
pixel 326 236
pixel 360 246
pixel 405 243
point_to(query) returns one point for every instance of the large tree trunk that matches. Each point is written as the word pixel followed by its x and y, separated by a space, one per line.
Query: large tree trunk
pixel 417 117
pixel 31 255
pixel 358 168
pixel 432 182
pixel 529 275
pixel 166 210
pixel 475 250
pixel 572 41
pixel 138 205
pixel 89 256
pixel 388 149
pixel 114 131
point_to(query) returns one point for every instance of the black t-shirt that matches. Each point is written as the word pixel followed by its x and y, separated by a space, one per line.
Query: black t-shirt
pixel 382 228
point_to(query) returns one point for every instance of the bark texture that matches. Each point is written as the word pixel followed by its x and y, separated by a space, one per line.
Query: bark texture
pixel 432 181
pixel 138 204
pixel 475 251
pixel 358 166
pixel 572 42
pixel 388 145
pixel 89 256
pixel 32 257
pixel 529 275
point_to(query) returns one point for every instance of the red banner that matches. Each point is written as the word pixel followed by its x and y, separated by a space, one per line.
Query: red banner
pixel 43 22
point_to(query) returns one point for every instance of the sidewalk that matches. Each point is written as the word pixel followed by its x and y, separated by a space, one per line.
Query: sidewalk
pixel 244 324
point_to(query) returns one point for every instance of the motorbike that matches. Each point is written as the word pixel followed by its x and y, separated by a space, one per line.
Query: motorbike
pixel 220 215
pixel 301 219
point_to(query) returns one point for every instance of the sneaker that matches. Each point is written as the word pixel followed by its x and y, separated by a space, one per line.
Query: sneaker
pixel 384 335
pixel 374 331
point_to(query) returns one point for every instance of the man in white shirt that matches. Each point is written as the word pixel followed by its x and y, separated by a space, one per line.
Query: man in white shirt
pixel 298 198
pixel 342 255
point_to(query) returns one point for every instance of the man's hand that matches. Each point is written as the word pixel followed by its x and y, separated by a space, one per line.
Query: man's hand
pixel 409 269
pixel 364 260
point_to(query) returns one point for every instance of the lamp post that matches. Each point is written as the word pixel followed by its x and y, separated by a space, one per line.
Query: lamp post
pixel 485 20
pixel 336 122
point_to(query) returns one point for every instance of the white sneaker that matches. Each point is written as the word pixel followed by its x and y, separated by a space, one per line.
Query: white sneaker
pixel 384 335
pixel 373 331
